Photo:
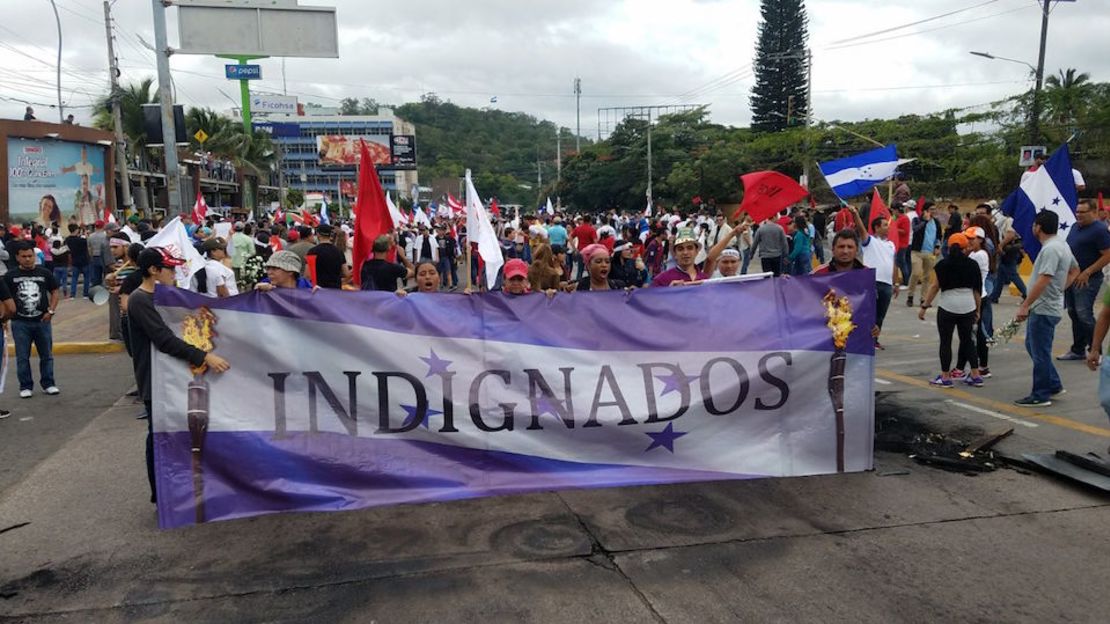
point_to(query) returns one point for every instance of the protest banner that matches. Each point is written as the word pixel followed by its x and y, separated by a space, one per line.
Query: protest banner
pixel 339 401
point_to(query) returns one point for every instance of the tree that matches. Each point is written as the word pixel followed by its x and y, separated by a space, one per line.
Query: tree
pixel 131 99
pixel 1066 95
pixel 779 97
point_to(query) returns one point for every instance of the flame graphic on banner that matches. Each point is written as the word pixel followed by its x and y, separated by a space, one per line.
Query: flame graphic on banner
pixel 838 312
pixel 198 330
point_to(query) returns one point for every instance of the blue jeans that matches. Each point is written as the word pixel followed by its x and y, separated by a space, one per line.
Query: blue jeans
pixel 1039 332
pixel 902 261
pixel 986 311
pixel 746 259
pixel 25 333
pixel 96 273
pixel 1007 273
pixel 883 294
pixel 1080 303
pixel 800 265
pixel 82 271
pixel 60 273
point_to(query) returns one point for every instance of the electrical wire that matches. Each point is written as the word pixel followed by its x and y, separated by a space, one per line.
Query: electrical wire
pixel 909 24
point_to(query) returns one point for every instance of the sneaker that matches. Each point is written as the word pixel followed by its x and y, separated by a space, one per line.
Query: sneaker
pixel 985 373
pixel 879 346
pixel 4 414
pixel 25 394
pixel 909 301
pixel 957 373
pixel 1070 356
pixel 1029 401
pixel 1059 391
pixel 52 390
pixel 942 382
pixel 976 382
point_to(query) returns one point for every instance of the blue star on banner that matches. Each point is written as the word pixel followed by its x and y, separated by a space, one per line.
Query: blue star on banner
pixel 411 411
pixel 1064 227
pixel 670 382
pixel 1056 202
pixel 664 438
pixel 436 364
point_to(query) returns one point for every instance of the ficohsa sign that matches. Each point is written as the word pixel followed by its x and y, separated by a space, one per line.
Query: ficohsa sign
pixel 282 104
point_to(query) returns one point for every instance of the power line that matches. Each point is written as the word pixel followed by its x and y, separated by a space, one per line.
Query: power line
pixel 914 23
pixel 927 30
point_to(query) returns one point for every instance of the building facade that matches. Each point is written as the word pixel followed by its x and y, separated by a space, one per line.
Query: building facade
pixel 318 153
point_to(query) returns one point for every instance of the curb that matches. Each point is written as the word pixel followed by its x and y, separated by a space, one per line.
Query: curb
pixel 77 348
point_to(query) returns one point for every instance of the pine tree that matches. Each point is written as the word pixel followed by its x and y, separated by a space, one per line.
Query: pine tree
pixel 779 97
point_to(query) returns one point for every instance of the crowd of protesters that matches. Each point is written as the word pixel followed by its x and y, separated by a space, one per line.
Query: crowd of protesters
pixel 959 263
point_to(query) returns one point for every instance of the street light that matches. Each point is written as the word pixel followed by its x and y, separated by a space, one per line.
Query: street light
pixel 1035 113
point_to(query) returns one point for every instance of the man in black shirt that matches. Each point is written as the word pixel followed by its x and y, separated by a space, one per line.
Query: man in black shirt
pixel 147 328
pixel 78 260
pixel 379 273
pixel 36 297
pixel 331 265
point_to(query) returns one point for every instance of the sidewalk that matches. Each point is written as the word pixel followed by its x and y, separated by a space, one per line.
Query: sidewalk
pixel 80 326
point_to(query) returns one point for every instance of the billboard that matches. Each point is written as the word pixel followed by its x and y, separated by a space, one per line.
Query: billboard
pixel 281 104
pixel 343 150
pixel 54 180
pixel 403 147
pixel 270 28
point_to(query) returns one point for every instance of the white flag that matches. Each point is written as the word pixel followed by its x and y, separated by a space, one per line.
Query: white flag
pixel 175 239
pixel 480 230
pixel 549 208
pixel 398 218
pixel 420 216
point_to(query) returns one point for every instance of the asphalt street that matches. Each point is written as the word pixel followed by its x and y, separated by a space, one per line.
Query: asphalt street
pixel 902 543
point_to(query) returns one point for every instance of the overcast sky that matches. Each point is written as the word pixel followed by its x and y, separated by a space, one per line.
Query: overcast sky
pixel 627 53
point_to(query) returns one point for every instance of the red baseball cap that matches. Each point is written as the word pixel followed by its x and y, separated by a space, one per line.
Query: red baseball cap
pixel 516 268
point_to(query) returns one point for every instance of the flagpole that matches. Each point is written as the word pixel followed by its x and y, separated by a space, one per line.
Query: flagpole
pixel 468 269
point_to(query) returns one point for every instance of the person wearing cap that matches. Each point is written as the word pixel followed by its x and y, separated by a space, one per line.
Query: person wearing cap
pixel 977 251
pixel 598 267
pixel 556 233
pixel 331 264
pixel 379 273
pixel 219 279
pixel 686 246
pixel 960 294
pixel 626 268
pixel 242 248
pixel 515 277
pixel 36 299
pixel 148 329
pixel 117 251
pixel 283 270
pixel 1054 270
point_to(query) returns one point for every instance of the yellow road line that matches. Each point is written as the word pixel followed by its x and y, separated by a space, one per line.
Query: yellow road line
pixel 1000 406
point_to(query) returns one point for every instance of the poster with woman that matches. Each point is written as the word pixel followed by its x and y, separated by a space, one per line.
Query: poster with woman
pixel 54 181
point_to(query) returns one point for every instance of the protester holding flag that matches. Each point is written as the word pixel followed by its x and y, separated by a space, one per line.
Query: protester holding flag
pixel 379 273
pixel 1054 270
pixel 878 253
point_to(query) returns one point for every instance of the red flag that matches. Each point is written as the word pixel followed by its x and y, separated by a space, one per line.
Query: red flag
pixel 200 209
pixel 844 220
pixel 766 193
pixel 279 216
pixel 371 213
pixel 878 209
pixel 310 263
pixel 110 215
pixel 455 205
pixel 493 208
pixel 812 202
pixel 920 204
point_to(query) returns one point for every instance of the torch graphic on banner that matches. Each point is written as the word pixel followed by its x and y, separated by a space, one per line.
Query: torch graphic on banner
pixel 198 330
pixel 838 311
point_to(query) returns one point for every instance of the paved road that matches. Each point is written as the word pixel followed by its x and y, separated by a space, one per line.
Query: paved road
pixel 904 543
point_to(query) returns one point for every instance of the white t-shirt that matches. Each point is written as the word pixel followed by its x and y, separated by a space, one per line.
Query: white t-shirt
pixel 219 275
pixel 1078 178
pixel 983 260
pixel 878 254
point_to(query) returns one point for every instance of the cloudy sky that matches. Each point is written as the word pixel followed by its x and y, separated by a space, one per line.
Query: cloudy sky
pixel 871 59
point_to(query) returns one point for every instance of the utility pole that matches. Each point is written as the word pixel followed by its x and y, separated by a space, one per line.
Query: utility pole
pixel 649 195
pixel 559 154
pixel 117 121
pixel 58 67
pixel 578 115
pixel 1035 118
pixel 808 115
pixel 539 172
pixel 165 98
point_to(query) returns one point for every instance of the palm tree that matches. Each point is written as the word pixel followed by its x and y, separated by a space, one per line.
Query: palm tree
pixel 131 99
pixel 1066 94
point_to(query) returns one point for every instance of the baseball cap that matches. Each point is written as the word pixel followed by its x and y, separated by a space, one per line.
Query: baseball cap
pixel 975 232
pixel 213 244
pixel 286 260
pixel 98 224
pixel 239 226
pixel 325 230
pixel 958 240
pixel 686 235
pixel 160 257
pixel 293 236
pixel 516 268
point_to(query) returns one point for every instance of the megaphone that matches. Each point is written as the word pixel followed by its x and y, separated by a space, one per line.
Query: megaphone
pixel 99 295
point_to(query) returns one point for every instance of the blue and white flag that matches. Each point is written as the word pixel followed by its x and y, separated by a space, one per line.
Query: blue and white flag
pixel 549 209
pixel 1050 187
pixel 324 218
pixel 440 397
pixel 856 175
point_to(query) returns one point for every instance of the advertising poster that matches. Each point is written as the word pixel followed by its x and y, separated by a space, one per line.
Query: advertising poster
pixel 342 149
pixel 52 181
pixel 404 151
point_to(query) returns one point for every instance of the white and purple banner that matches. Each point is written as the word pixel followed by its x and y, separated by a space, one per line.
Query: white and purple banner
pixel 341 400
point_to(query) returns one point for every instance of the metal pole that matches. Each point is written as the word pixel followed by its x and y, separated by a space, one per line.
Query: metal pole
pixel 283 89
pixel 559 154
pixel 117 121
pixel 809 113
pixel 58 21
pixel 165 98
pixel 650 198
pixel 1035 118
pixel 245 94
pixel 578 114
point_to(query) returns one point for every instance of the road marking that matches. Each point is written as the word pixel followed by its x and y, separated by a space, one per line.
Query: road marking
pixel 1005 408
pixel 883 381
pixel 992 414
pixel 26 418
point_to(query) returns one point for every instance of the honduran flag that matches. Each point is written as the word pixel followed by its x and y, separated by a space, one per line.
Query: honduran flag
pixel 1050 187
pixel 441 397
